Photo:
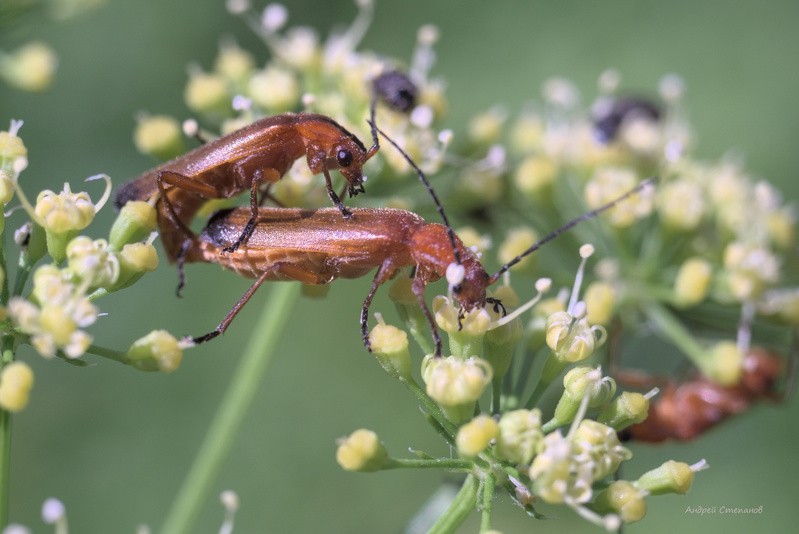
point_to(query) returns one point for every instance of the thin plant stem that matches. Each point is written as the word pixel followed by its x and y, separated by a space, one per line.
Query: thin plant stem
pixel 452 464
pixel 459 509
pixel 487 496
pixel 223 429
pixel 5 441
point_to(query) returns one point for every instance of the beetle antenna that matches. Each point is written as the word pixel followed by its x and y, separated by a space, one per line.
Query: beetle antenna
pixel 571 224
pixel 426 182
pixel 372 123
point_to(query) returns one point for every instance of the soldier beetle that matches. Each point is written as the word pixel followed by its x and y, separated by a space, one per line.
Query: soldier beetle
pixel 686 410
pixel 316 247
pixel 242 160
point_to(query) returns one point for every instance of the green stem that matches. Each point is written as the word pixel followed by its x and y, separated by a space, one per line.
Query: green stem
pixel 552 369
pixel 675 332
pixel 489 485
pixel 431 407
pixel 5 441
pixel 193 495
pixel 453 464
pixel 111 354
pixel 459 508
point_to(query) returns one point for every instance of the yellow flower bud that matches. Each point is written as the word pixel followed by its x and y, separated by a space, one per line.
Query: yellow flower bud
pixel 693 282
pixel 535 175
pixel 157 351
pixel 274 89
pixel 234 63
pixel 600 299
pixel 159 136
pixel 207 94
pixel 11 148
pixel 362 451
pixel 671 477
pixel 723 363
pixel 527 133
pixel 29 68
pixel 6 186
pixel 390 346
pixel 624 499
pixel 519 435
pixel 609 184
pixel 456 384
pixel 136 221
pixel 475 436
pixel 486 128
pixel 627 409
pixel 517 241
pixel 16 381
pixel 681 205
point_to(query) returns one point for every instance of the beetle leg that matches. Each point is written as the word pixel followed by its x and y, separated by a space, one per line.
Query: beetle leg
pixel 333 196
pixel 383 275
pixel 418 289
pixel 289 269
pixel 250 227
pixel 176 180
pixel 180 263
pixel 220 329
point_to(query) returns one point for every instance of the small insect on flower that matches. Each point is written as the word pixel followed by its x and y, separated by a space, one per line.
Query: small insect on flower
pixel 686 410
pixel 316 247
pixel 243 160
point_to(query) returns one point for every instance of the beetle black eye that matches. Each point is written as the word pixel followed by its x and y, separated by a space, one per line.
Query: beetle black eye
pixel 344 158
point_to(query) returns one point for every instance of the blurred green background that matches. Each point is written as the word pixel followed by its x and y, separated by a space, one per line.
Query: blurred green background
pixel 114 444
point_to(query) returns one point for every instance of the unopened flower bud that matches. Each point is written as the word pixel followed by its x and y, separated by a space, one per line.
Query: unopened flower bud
pixel 362 451
pixel 693 282
pixel 6 186
pixel 623 499
pixel 519 435
pixel 275 89
pixel 390 346
pixel 135 260
pixel 581 381
pixel 627 409
pixel 136 220
pixel 157 351
pixel 486 128
pixel 681 205
pixel 609 184
pixel 475 436
pixel 233 62
pixel 535 175
pixel 11 149
pixel 671 477
pixel 600 299
pixel 723 363
pixel 16 381
pixel 159 136
pixel 30 67
pixel 456 384
pixel 207 94
pixel 517 241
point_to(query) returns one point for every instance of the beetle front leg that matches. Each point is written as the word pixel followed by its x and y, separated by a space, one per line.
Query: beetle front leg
pixel 418 289
pixel 333 196
pixel 384 274
pixel 250 226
